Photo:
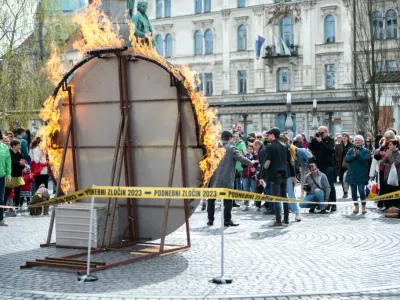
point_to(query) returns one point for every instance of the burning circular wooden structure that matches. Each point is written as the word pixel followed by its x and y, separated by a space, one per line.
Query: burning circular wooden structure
pixel 127 120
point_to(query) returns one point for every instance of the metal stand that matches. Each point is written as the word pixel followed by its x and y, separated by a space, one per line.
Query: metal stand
pixel 88 277
pixel 222 279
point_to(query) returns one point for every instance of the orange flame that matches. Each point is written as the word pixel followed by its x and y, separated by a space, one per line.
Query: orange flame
pixel 54 68
pixel 97 29
pixel 205 115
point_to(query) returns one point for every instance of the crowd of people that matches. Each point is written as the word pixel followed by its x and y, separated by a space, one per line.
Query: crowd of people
pixel 273 163
pixel 23 170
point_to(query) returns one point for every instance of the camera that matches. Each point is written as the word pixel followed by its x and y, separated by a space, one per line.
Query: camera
pixel 318 134
pixel 357 148
pixel 307 188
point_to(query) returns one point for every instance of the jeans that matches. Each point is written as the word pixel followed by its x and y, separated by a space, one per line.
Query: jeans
pixel 361 191
pixel 227 209
pixel 279 189
pixel 247 184
pixel 330 174
pixel 237 185
pixel 2 190
pixel 294 207
pixel 318 196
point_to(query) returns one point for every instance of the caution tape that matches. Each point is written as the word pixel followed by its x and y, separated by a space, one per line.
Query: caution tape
pixel 185 193
pixel 4 206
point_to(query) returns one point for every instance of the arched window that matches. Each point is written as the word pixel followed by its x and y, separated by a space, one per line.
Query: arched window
pixel 286 29
pixel 168 45
pixel 207 6
pixel 330 36
pixel 391 24
pixel 159 7
pixel 167 8
pixel 198 43
pixel 160 45
pixel 378 24
pixel 283 80
pixel 209 41
pixel 242 37
pixel 198 6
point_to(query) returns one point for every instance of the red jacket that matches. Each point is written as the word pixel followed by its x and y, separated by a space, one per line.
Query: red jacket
pixel 28 178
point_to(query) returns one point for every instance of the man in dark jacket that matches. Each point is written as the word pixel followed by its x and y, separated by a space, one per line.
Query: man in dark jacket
pixel 275 169
pixel 323 148
pixel 224 177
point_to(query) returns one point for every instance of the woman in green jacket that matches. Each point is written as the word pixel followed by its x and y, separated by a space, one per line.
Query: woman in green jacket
pixel 5 175
pixel 241 146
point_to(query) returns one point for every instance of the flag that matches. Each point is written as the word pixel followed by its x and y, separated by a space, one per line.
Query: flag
pixel 278 47
pixel 259 42
pixel 286 49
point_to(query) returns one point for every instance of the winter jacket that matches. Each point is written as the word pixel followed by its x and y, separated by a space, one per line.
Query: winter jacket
pixel 241 146
pixel 247 173
pixel 379 157
pixel 16 168
pixel 322 181
pixel 5 161
pixel 302 157
pixel 387 162
pixel 279 156
pixel 39 161
pixel 323 151
pixel 224 175
pixel 28 178
pixel 357 172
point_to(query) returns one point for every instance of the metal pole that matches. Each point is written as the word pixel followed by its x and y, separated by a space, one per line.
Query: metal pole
pixel 88 277
pixel 222 279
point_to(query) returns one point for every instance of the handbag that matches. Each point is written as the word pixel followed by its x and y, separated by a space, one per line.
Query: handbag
pixel 393 179
pixel 345 165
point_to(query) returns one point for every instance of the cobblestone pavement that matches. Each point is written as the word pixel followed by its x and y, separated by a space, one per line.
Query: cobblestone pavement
pixel 334 256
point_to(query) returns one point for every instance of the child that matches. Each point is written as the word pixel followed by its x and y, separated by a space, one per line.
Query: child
pixel 26 189
pixel 17 165
pixel 41 195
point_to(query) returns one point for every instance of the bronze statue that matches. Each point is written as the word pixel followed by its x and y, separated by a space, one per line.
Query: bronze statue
pixel 142 23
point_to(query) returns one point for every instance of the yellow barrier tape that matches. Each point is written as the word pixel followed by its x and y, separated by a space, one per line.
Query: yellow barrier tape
pixel 4 206
pixel 185 193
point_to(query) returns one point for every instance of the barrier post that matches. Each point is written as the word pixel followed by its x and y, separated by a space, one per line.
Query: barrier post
pixel 222 279
pixel 88 277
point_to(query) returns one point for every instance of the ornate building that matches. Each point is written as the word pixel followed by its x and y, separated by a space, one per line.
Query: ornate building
pixel 217 38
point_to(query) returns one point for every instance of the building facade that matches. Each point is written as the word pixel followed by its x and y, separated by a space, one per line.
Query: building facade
pixel 307 52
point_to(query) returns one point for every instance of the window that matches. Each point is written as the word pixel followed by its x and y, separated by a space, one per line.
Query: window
pixel 198 8
pixel 209 41
pixel 207 6
pixel 198 43
pixel 241 3
pixel 167 8
pixel 286 30
pixel 330 77
pixel 242 38
pixel 283 80
pixel 391 66
pixel 159 8
pixel 379 66
pixel 391 24
pixel 199 87
pixel 208 79
pixel 330 29
pixel 168 45
pixel 242 82
pixel 159 42
pixel 378 24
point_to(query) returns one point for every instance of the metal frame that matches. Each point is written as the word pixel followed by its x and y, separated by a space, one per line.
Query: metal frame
pixel 123 157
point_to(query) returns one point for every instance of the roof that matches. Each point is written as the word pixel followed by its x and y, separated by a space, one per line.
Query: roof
pixel 386 77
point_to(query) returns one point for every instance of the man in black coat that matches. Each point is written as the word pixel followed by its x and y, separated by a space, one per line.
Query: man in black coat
pixel 322 147
pixel 274 169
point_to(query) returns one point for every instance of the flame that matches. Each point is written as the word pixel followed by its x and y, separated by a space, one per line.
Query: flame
pixel 209 132
pixel 54 68
pixel 97 29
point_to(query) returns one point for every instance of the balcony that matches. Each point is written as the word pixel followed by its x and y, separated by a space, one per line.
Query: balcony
pixel 270 52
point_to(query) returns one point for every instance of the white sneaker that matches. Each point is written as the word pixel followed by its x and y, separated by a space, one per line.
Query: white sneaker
pixel 3 224
pixel 297 218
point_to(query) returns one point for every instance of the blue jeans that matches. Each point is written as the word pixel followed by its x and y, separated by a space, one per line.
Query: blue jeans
pixel 318 196
pixel 2 190
pixel 247 184
pixel 361 191
pixel 294 207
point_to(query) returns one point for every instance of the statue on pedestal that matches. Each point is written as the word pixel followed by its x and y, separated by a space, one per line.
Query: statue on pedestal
pixel 142 23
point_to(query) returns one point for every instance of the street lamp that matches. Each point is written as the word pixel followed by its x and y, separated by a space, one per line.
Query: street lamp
pixel 315 116
pixel 289 121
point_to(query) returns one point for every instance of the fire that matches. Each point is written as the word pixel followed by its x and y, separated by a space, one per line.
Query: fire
pixel 205 115
pixel 97 30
